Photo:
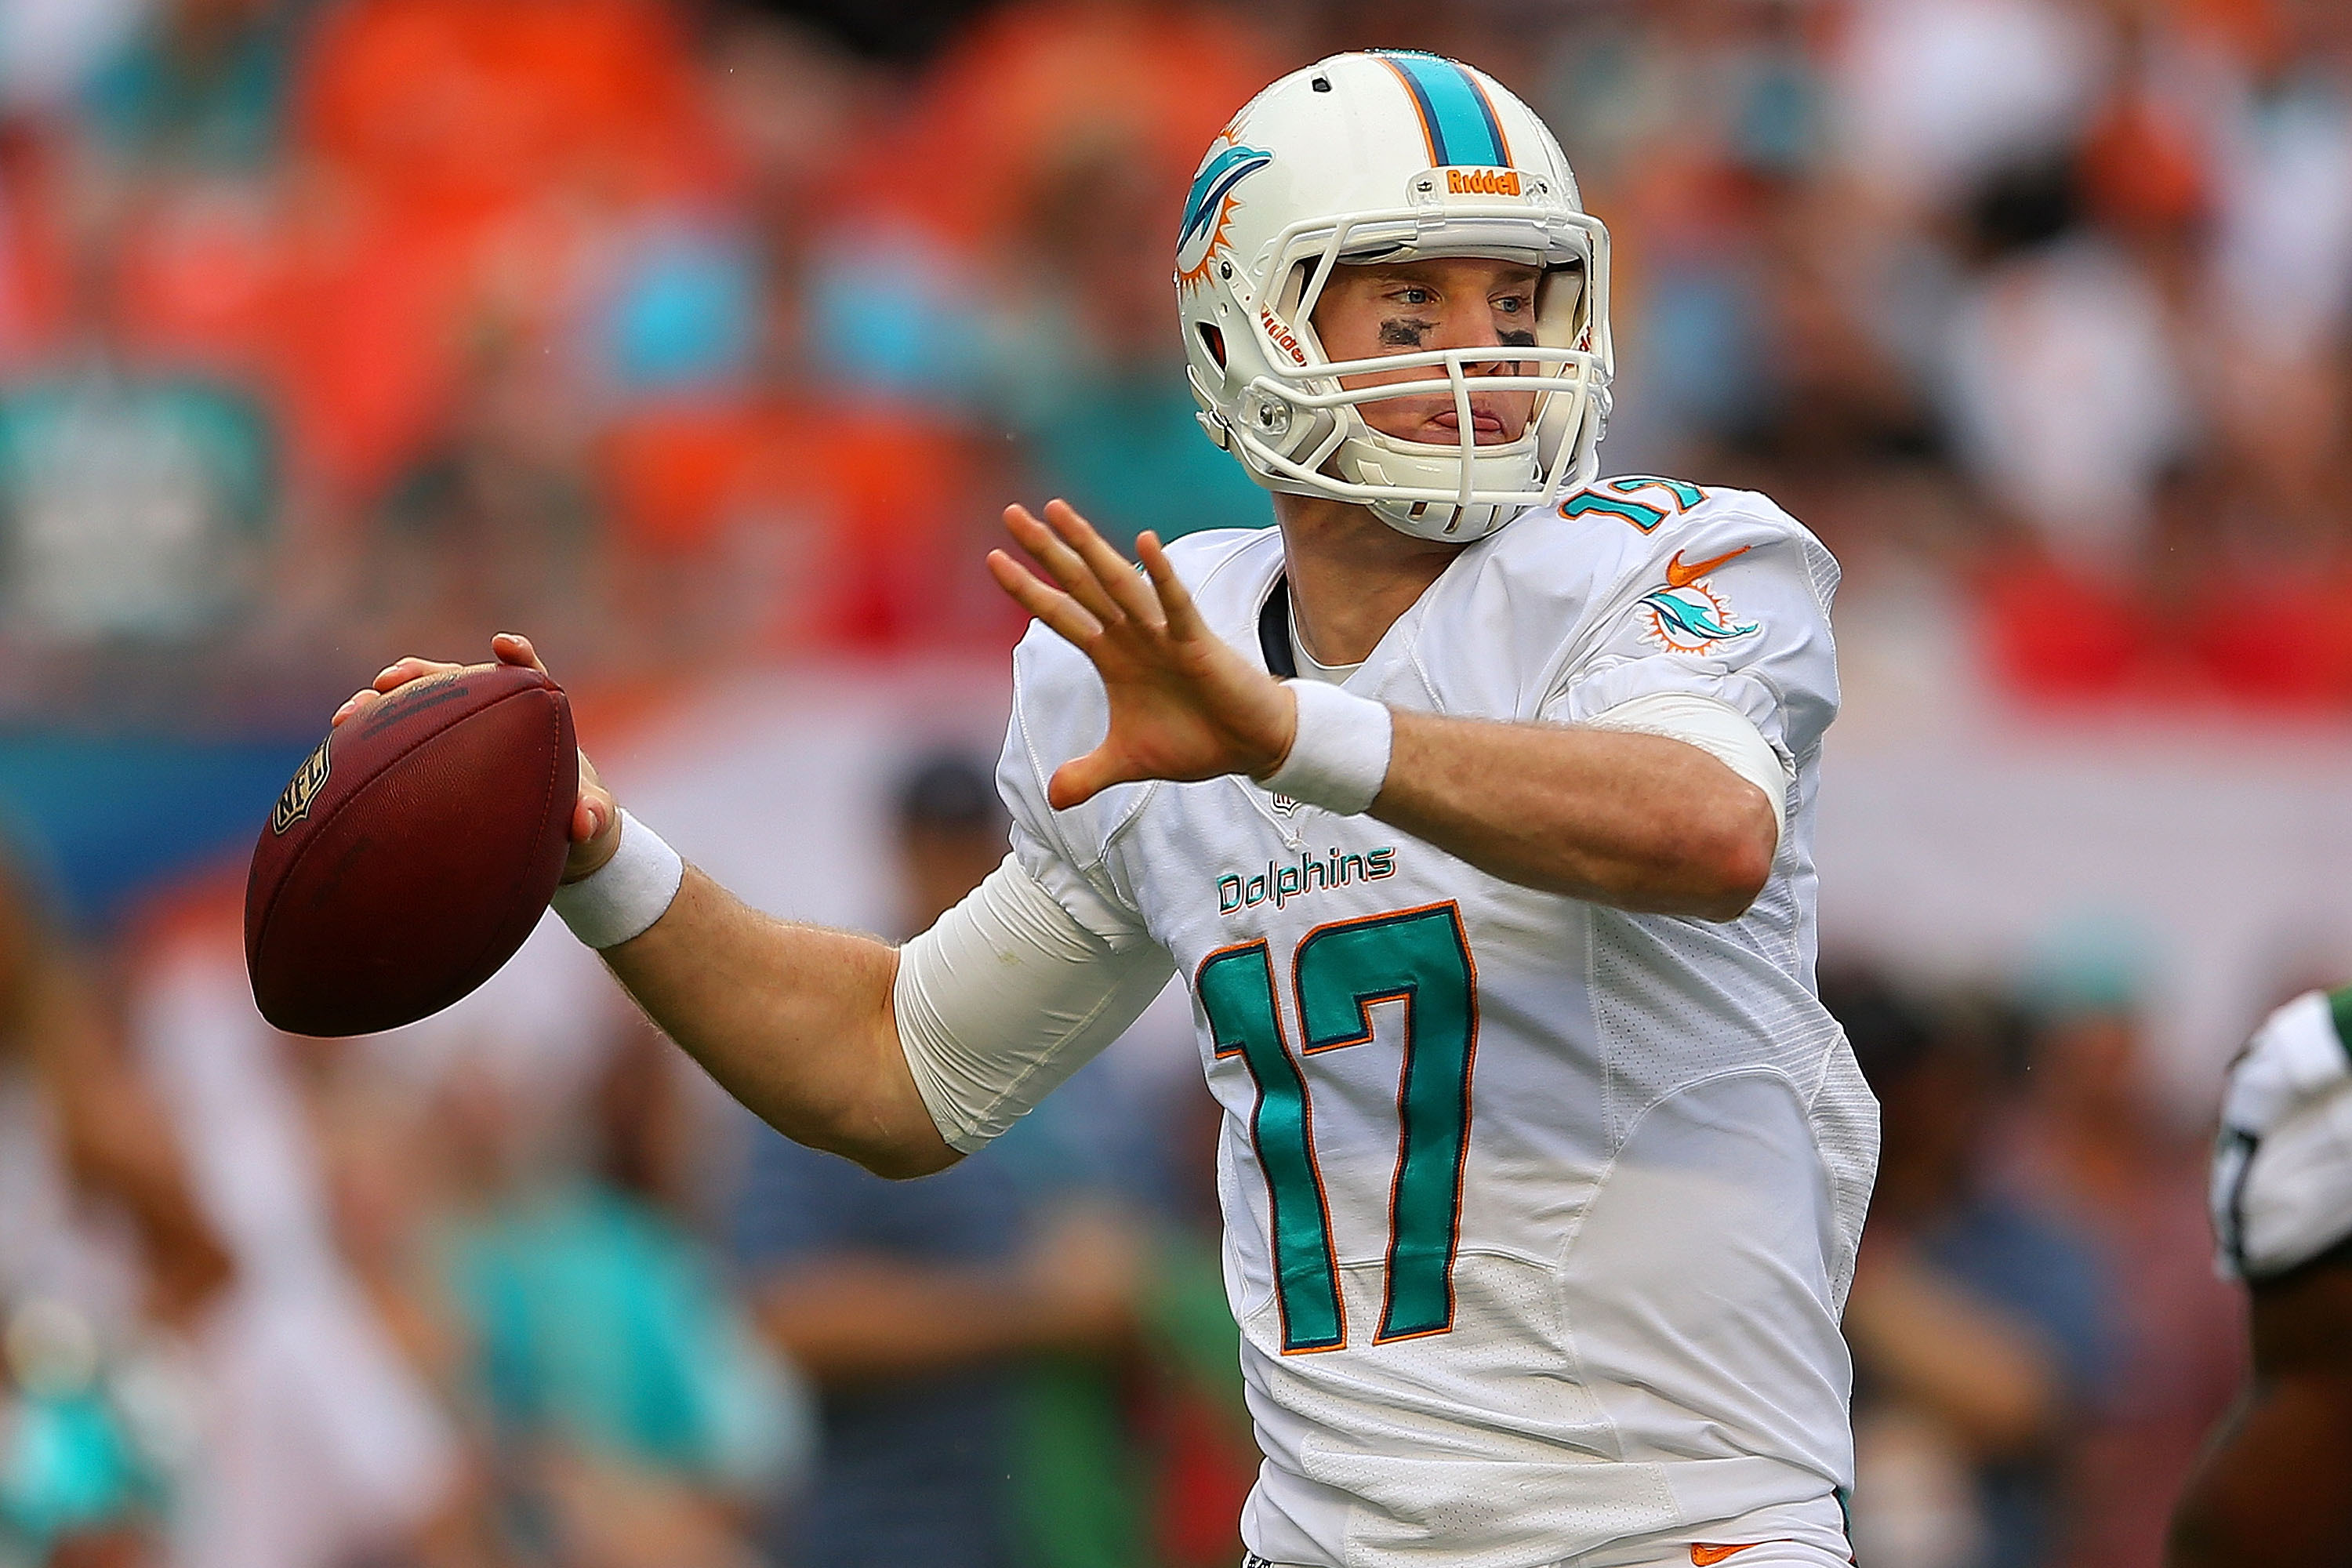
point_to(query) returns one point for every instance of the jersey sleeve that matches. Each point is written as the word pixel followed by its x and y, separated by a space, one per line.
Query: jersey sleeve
pixel 1732 607
pixel 1061 711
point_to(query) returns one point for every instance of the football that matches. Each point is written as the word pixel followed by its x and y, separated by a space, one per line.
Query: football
pixel 412 853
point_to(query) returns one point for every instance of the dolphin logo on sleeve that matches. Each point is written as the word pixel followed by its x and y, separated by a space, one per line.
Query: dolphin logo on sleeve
pixel 1688 615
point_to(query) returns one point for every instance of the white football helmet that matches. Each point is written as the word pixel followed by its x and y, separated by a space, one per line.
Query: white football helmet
pixel 1390 156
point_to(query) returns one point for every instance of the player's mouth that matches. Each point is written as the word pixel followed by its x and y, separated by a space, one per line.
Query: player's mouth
pixel 1486 427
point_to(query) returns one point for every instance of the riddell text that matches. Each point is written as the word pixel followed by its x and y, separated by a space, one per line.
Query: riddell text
pixel 1482 182
pixel 1281 335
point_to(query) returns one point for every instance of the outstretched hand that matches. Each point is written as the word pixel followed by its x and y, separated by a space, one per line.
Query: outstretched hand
pixel 595 830
pixel 1183 704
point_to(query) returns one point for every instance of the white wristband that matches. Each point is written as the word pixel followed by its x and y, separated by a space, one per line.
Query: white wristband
pixel 627 893
pixel 1339 757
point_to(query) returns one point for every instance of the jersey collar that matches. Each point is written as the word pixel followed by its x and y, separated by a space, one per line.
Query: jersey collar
pixel 1273 630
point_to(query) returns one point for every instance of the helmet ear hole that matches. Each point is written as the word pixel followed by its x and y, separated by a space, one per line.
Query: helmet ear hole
pixel 1214 341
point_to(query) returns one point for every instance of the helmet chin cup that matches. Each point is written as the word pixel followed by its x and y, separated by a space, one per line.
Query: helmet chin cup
pixel 1373 460
pixel 1451 524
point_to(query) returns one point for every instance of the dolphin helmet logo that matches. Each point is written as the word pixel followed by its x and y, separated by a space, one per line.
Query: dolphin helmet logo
pixel 1210 203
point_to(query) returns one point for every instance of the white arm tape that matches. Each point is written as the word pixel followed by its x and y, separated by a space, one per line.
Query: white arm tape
pixel 1007 996
pixel 1339 756
pixel 1715 727
pixel 627 893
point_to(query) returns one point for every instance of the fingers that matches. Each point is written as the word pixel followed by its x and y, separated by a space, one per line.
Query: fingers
pixel 1065 615
pixel 1101 588
pixel 594 812
pixel 1115 571
pixel 1184 620
pixel 1064 564
pixel 507 648
pixel 595 809
pixel 400 672
pixel 596 834
pixel 1076 782
pixel 596 824
pixel 391 677
pixel 513 648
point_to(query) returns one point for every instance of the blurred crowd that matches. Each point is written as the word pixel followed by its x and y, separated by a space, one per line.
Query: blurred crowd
pixel 680 332
pixel 683 336
pixel 2040 1345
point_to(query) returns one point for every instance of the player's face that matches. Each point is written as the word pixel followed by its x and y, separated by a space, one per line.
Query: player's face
pixel 1450 303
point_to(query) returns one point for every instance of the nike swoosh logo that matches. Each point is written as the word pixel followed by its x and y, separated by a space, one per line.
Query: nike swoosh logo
pixel 1701 1554
pixel 1681 576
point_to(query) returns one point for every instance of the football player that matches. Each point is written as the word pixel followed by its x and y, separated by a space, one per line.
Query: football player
pixel 2277 1486
pixel 1474 804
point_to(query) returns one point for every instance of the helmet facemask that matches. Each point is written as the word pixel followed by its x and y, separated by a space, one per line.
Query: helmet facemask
pixel 1304 432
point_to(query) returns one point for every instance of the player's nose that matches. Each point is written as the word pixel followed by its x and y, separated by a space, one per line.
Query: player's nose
pixel 1472 325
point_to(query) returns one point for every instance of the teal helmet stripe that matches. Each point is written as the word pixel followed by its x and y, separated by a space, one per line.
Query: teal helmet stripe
pixel 1455 111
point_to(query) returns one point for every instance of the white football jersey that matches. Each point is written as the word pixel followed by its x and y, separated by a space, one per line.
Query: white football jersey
pixel 2281 1186
pixel 1539 1215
